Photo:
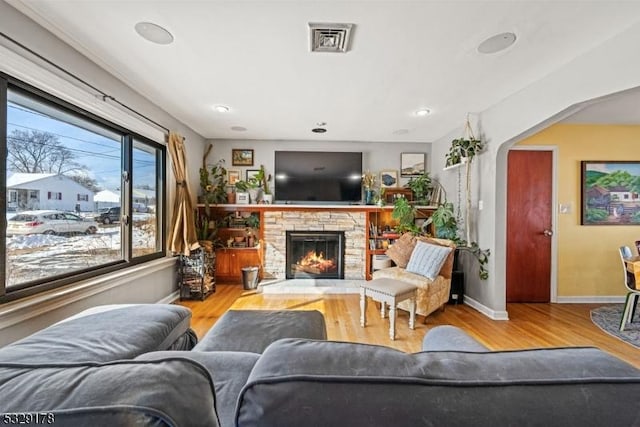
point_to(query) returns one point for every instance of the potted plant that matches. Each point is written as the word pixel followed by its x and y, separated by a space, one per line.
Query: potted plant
pixel 213 183
pixel 446 227
pixel 264 179
pixel 421 187
pixel 254 188
pixel 242 195
pixel 405 214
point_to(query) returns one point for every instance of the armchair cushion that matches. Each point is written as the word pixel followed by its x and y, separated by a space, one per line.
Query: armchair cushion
pixel 400 251
pixel 427 259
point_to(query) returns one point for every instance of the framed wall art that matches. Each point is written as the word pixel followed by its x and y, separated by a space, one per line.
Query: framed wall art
pixel 233 176
pixel 241 157
pixel 250 173
pixel 610 192
pixel 412 164
pixel 388 178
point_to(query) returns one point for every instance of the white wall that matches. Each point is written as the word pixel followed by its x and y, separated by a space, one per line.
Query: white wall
pixel 149 283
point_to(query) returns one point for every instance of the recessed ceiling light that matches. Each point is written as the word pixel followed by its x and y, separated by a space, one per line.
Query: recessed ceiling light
pixel 238 128
pixel 423 112
pixel 318 130
pixel 221 108
pixel 497 43
pixel 154 33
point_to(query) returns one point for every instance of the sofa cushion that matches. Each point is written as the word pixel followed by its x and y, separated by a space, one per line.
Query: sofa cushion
pixel 447 267
pixel 169 392
pixel 229 371
pixel 103 336
pixel 400 251
pixel 253 330
pixel 323 383
pixel 427 259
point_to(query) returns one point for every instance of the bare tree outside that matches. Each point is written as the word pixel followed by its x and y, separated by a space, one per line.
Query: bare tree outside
pixel 32 151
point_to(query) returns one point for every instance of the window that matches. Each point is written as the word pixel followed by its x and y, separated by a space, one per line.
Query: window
pixel 52 149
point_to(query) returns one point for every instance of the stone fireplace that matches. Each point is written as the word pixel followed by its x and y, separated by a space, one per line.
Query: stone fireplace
pixel 314 255
pixel 351 223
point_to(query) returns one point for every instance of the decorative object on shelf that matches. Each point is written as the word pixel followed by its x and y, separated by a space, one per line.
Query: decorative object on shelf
pixel 421 187
pixel 413 164
pixel 368 183
pixel 609 192
pixel 241 157
pixel 233 175
pixel 388 178
pixel 231 195
pixel 263 181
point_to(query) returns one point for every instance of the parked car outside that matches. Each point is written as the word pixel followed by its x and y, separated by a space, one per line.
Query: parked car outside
pixel 49 222
pixel 108 215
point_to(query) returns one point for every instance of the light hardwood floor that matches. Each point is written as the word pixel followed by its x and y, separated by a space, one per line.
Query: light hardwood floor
pixel 530 325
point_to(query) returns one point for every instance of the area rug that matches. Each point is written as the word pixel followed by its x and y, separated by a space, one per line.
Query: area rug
pixel 608 318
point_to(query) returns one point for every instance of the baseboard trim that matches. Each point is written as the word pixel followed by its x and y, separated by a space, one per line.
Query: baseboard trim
pixel 490 313
pixel 171 298
pixel 604 299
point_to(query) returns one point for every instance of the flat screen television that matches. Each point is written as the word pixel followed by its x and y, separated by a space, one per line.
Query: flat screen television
pixel 318 176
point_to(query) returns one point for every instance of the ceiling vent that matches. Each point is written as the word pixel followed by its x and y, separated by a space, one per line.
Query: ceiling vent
pixel 330 37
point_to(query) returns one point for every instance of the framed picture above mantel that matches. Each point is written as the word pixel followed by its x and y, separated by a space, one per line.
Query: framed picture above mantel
pixel 412 164
pixel 241 157
pixel 610 192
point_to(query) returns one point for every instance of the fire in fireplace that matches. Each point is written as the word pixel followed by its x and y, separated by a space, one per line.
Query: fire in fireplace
pixel 315 254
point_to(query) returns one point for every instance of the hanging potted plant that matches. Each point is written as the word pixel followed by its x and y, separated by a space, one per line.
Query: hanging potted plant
pixel 463 151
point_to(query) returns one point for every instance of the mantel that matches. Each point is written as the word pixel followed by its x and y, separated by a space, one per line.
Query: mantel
pixel 303 207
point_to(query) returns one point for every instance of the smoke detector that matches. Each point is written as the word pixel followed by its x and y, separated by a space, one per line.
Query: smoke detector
pixel 330 37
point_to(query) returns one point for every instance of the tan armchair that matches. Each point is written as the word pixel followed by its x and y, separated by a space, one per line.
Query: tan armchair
pixel 432 294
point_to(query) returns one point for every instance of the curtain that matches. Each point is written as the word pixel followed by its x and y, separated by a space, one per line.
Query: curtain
pixel 182 235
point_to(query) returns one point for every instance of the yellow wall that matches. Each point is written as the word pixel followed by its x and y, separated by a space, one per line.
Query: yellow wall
pixel 588 261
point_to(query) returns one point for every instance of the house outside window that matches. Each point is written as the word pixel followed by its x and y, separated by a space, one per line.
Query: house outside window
pixel 54 148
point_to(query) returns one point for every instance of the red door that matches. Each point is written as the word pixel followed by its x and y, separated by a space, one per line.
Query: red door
pixel 529 208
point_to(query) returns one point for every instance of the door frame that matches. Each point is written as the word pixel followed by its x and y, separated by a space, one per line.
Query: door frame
pixel 553 280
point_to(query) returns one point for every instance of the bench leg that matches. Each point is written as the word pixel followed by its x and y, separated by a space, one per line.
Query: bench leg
pixel 363 307
pixel 392 321
pixel 383 310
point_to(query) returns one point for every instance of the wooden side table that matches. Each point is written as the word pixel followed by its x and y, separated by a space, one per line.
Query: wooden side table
pixel 388 291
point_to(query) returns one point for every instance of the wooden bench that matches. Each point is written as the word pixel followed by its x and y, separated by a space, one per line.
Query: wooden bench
pixel 391 292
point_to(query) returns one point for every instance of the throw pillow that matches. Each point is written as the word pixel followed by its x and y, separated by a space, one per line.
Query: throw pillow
pixel 400 251
pixel 447 267
pixel 427 259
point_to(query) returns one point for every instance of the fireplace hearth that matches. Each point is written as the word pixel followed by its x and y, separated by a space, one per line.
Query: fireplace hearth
pixel 315 254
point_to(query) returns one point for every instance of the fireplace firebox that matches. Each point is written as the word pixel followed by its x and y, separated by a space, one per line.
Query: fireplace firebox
pixel 315 254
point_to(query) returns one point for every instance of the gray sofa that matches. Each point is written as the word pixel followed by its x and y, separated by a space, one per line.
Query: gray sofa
pixel 138 365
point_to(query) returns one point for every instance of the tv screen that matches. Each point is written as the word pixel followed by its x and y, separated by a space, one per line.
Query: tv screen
pixel 316 176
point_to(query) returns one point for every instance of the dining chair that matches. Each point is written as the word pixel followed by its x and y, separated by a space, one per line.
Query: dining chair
pixel 633 293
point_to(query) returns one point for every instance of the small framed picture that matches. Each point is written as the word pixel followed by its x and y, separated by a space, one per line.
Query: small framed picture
pixel 389 178
pixel 250 173
pixel 233 176
pixel 412 164
pixel 241 157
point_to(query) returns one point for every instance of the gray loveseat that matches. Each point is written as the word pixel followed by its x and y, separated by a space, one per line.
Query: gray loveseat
pixel 138 365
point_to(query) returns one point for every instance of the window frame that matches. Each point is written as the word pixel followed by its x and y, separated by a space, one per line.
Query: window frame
pixel 7 83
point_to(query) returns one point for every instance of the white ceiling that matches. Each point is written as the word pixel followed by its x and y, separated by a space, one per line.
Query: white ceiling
pixel 254 57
